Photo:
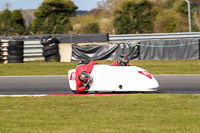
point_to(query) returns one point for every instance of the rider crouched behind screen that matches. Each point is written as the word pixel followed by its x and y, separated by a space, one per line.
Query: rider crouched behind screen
pixel 122 60
pixel 83 77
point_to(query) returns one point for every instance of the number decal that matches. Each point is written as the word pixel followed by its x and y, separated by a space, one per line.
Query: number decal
pixel 145 73
pixel 73 76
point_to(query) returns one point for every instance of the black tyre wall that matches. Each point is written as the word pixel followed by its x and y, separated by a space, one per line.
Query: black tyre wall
pixel 15 61
pixel 15 57
pixel 16 43
pixel 50 49
pixel 15 48
pixel 11 52
pixel 15 51
pixel 50 52
pixel 55 58
pixel 48 41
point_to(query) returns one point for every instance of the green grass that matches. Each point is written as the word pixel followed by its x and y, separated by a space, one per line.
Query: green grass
pixel 57 68
pixel 96 114
pixel 140 113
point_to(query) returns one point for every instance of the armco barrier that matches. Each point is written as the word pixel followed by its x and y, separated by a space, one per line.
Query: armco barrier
pixel 3 51
pixel 152 36
pixel 33 50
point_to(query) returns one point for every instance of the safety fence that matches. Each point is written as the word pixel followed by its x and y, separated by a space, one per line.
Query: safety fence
pixel 171 46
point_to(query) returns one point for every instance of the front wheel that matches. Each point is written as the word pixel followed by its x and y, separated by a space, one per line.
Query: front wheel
pixel 75 92
pixel 83 92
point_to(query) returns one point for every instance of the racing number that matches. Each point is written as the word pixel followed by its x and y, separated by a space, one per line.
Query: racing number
pixel 73 76
pixel 145 73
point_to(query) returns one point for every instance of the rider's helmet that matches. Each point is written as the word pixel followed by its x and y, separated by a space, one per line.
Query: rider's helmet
pixel 84 77
pixel 123 60
pixel 84 61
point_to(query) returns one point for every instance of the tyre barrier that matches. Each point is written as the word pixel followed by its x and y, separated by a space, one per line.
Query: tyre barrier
pixel 50 49
pixel 15 51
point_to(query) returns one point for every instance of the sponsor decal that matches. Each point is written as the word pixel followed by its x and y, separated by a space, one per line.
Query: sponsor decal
pixel 73 76
pixel 145 73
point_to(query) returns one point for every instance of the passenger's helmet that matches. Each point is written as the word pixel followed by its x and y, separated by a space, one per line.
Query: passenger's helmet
pixel 123 60
pixel 84 77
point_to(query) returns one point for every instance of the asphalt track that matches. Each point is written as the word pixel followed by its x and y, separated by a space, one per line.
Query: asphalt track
pixel 38 85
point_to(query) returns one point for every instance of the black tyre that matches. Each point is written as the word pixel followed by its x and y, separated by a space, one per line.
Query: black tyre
pixel 16 43
pixel 48 41
pixel 11 52
pixel 15 61
pixel 83 92
pixel 15 48
pixel 15 57
pixel 50 52
pixel 75 92
pixel 52 58
pixel 50 47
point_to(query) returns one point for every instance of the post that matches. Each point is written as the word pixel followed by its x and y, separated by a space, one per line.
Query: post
pixel 189 15
pixel 199 49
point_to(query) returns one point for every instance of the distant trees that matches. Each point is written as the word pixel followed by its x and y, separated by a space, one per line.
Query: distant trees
pixel 134 18
pixel 172 16
pixel 11 23
pixel 53 17
pixel 5 21
pixel 84 24
pixel 18 22
pixel 183 8
pixel 92 28
pixel 110 16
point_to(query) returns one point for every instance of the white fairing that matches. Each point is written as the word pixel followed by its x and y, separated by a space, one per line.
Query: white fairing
pixel 118 78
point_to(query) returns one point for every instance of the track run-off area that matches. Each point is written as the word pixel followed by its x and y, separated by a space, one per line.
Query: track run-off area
pixel 58 85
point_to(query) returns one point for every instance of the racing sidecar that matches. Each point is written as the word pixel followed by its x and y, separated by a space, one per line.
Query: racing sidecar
pixel 108 78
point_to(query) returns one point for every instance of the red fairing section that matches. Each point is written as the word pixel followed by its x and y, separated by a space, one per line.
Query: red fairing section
pixel 115 63
pixel 145 73
pixel 80 68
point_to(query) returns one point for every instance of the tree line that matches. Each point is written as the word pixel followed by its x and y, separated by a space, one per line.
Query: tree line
pixel 111 16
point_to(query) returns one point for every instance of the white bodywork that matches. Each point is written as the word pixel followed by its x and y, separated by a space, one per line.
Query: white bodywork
pixel 117 78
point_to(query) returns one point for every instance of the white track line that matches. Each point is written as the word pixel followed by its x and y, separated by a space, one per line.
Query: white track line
pixel 42 95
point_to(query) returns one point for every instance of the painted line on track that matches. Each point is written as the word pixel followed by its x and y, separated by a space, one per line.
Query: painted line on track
pixel 84 94
pixel 24 95
pixel 42 95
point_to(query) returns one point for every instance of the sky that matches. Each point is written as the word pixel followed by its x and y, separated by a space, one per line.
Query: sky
pixel 34 4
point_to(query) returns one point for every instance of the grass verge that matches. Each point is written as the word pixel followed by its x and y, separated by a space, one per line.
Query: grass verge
pixel 97 114
pixel 57 68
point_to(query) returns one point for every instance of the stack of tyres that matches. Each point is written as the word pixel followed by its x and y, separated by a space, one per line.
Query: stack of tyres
pixel 50 49
pixel 15 51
